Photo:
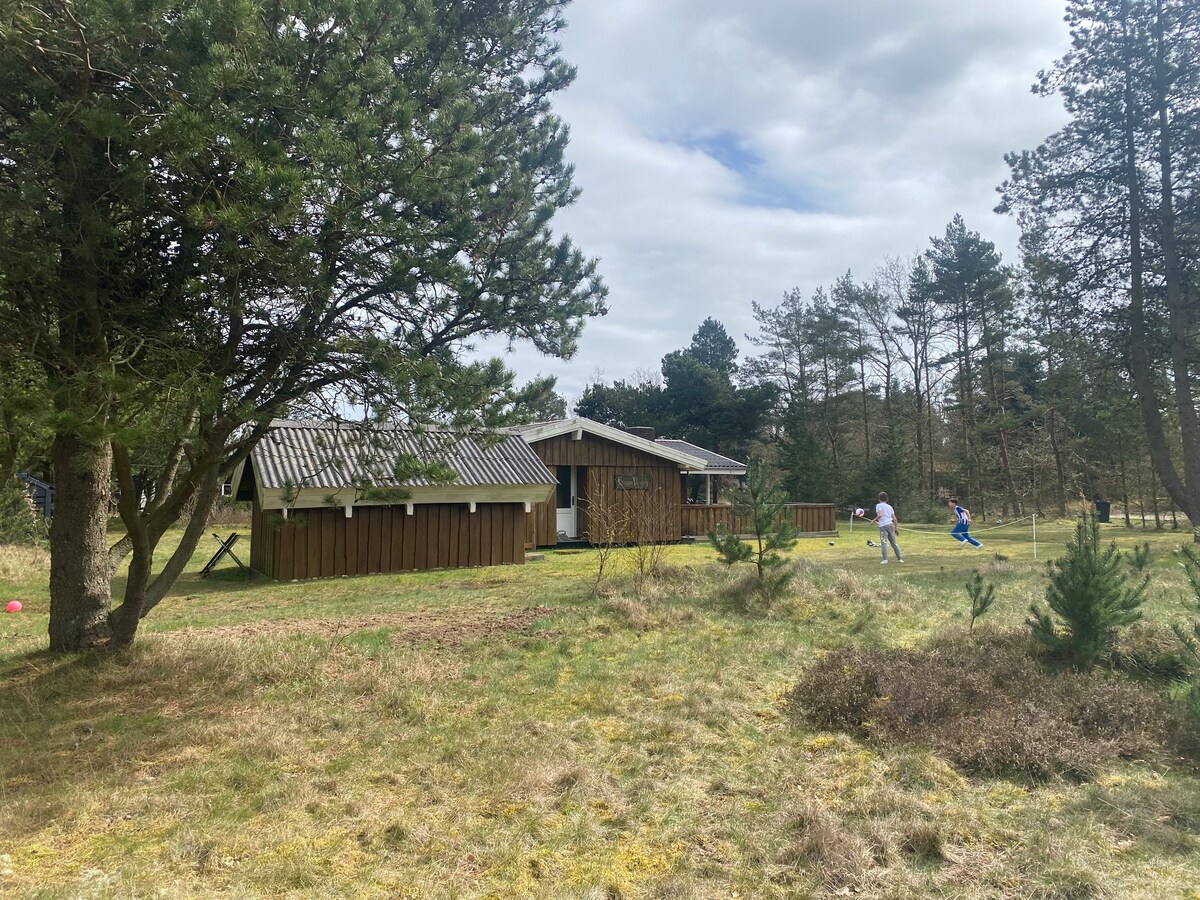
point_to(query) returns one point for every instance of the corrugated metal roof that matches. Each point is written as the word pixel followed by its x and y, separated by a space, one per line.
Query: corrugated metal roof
pixel 713 459
pixel 332 455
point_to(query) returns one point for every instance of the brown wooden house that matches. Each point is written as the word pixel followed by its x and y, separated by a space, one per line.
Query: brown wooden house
pixel 593 462
pixel 337 499
pixel 596 464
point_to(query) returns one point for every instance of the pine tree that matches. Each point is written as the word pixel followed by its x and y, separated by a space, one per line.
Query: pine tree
pixel 212 211
pixel 1117 187
pixel 759 506
pixel 1088 591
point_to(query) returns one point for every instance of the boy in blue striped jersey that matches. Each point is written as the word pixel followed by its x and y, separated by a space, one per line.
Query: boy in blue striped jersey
pixel 960 530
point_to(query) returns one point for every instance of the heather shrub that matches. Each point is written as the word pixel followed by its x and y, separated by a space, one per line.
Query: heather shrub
pixel 987 707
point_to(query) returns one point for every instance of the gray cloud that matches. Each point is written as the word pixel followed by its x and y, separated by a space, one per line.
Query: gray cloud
pixel 728 154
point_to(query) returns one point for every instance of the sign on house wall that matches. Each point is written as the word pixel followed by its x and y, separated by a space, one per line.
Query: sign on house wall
pixel 632 482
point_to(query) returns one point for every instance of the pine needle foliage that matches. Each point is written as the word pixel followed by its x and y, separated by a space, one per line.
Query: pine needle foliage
pixel 759 507
pixel 1090 595
pixel 20 521
pixel 982 594
pixel 1139 557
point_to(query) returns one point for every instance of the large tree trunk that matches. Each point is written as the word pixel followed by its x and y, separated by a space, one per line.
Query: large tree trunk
pixel 1142 367
pixel 1178 319
pixel 79 586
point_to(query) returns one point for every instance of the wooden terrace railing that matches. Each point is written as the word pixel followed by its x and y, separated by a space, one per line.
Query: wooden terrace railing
pixel 698 519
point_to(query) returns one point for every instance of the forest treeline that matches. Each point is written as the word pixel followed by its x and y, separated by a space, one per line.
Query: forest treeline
pixel 1071 371
pixel 948 373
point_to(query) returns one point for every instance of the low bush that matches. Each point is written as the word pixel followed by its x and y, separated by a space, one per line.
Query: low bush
pixel 988 707
pixel 227 511
pixel 20 521
pixel 1150 651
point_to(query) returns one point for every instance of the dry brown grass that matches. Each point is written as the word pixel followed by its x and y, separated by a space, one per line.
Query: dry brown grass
pixel 19 562
pixel 639 748
pixel 449 628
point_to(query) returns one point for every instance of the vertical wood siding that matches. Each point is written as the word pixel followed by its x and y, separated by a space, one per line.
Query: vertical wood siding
pixel 323 543
pixel 603 460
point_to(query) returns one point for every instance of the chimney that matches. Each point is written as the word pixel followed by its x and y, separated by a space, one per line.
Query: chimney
pixel 642 431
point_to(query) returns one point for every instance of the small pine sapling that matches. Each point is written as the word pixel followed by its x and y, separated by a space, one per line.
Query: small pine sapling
pixel 1139 557
pixel 982 594
pixel 1088 591
pixel 760 507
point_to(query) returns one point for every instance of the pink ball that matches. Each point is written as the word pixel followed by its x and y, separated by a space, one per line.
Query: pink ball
pixel 13 606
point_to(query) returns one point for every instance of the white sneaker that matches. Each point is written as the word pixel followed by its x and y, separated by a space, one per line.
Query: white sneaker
pixel 900 561
pixel 883 562
pixel 979 546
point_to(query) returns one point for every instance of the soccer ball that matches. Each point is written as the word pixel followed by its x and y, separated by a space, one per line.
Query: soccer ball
pixel 831 543
pixel 859 511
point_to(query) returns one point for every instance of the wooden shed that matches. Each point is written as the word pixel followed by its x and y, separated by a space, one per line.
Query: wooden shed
pixel 593 464
pixel 334 499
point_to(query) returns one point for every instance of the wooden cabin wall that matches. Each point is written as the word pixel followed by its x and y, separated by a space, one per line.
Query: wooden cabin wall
pixel 604 460
pixel 323 543
pixel 541 525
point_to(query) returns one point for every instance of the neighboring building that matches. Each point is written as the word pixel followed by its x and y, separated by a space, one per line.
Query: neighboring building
pixel 334 499
pixel 327 500
pixel 41 493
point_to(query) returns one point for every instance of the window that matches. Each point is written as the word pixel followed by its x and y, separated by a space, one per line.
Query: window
pixel 564 487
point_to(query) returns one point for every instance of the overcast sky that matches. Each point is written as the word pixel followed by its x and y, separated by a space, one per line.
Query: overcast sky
pixel 729 152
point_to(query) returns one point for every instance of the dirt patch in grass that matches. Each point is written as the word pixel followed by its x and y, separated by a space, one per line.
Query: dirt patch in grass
pixel 449 628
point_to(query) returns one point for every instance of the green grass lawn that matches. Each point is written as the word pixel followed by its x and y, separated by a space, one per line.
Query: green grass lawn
pixel 502 733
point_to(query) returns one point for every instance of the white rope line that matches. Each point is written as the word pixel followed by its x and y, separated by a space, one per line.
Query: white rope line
pixel 936 528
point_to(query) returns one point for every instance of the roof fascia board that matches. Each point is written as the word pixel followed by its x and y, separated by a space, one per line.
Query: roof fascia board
pixel 616 435
pixel 318 498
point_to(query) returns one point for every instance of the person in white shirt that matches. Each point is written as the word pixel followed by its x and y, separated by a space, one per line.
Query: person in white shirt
pixel 885 518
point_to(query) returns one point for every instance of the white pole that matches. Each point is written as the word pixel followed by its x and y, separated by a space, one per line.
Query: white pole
pixel 1035 535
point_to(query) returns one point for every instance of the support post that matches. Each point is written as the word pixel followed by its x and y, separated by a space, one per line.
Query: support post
pixel 1035 535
